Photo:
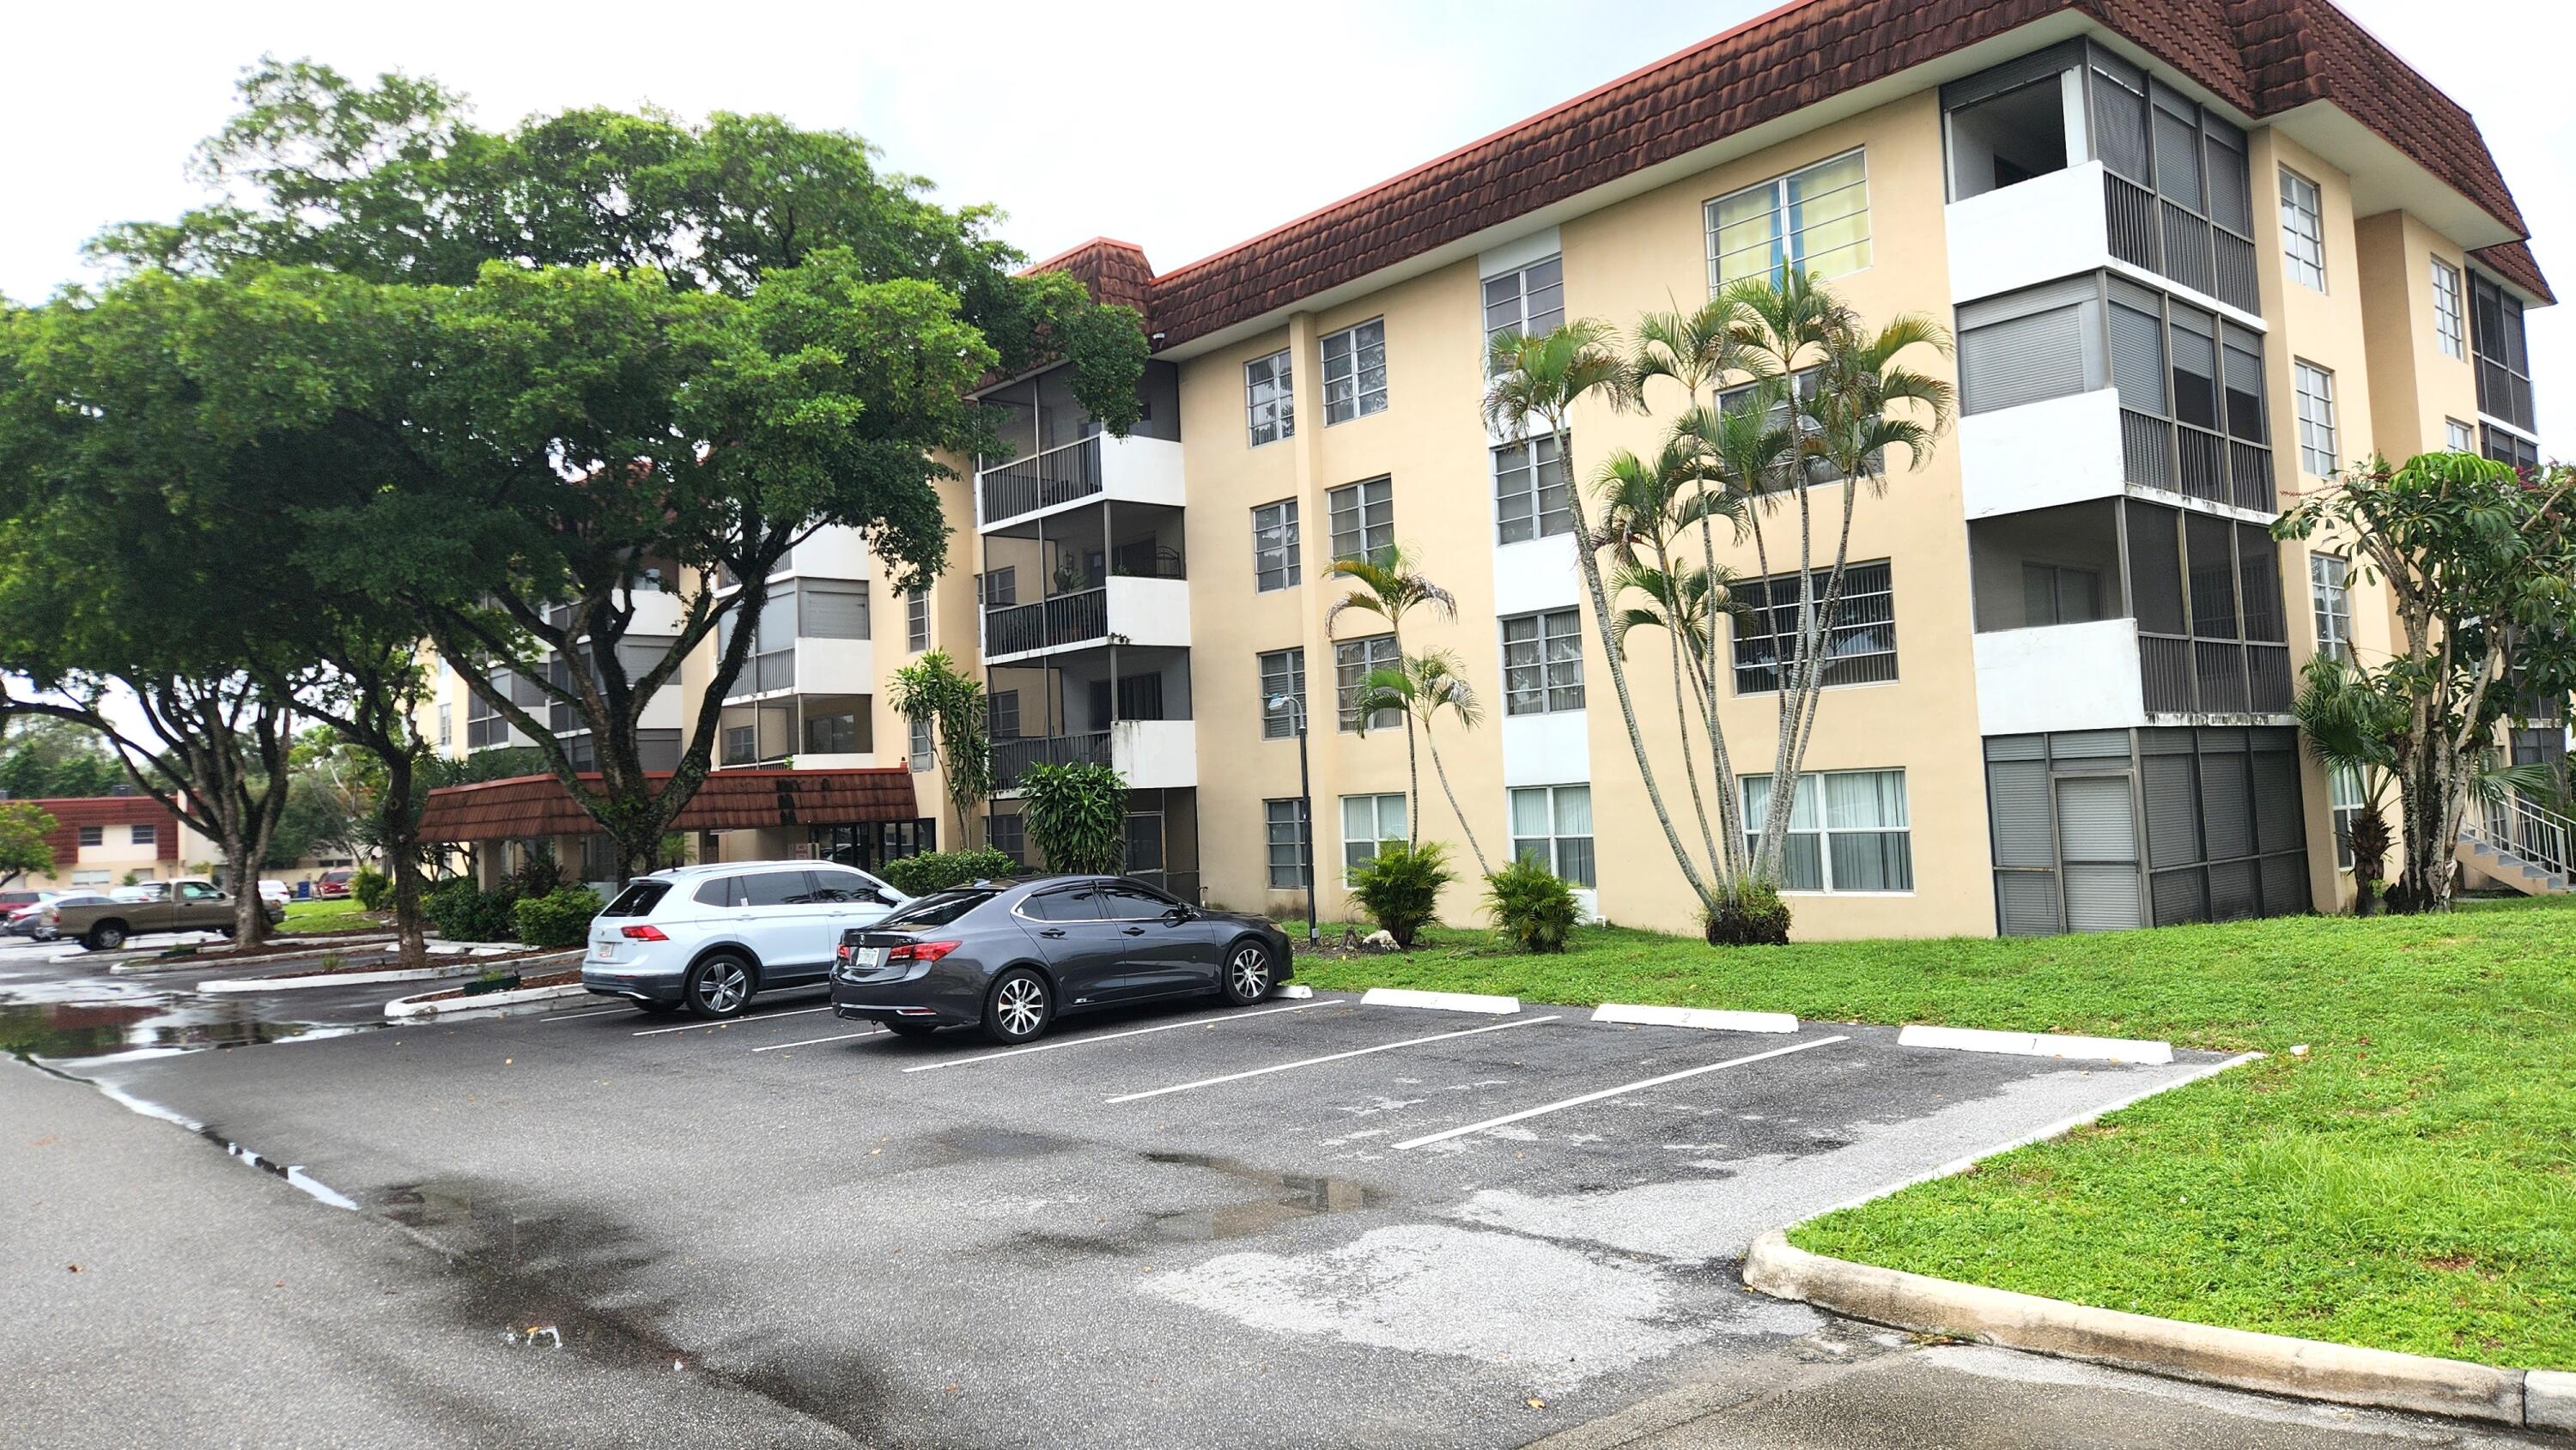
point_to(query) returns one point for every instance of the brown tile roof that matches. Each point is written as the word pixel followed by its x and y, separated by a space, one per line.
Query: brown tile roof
pixel 2261 56
pixel 70 813
pixel 538 805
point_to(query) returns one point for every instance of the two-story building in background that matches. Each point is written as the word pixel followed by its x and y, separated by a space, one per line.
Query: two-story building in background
pixel 2196 258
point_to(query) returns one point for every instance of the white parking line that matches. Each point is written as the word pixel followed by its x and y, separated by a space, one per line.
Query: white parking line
pixel 1610 1093
pixel 810 1041
pixel 1112 1036
pixel 729 1021
pixel 1329 1057
pixel 594 1012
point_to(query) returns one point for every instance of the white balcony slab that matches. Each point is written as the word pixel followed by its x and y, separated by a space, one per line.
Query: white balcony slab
pixel 2059 677
pixel 2039 455
pixel 1536 574
pixel 2036 231
pixel 1134 469
pixel 1156 754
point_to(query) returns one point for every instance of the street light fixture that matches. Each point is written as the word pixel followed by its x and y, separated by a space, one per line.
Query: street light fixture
pixel 1296 708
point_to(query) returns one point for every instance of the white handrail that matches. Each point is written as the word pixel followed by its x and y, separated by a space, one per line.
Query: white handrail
pixel 2515 825
pixel 1018 460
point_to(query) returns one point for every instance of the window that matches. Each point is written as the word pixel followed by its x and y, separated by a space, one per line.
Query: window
pixel 1363 518
pixel 146 835
pixel 916 618
pixel 1268 402
pixel 776 888
pixel 771 664
pixel 89 878
pixel 1543 662
pixel 1355 372
pixel 1815 220
pixel 1284 823
pixel 2316 419
pixel 1847 831
pixel 1001 586
pixel 1121 902
pixel 2328 589
pixel 2459 437
pixel 1530 302
pixel 1008 833
pixel 1082 903
pixel 1002 715
pixel 93 835
pixel 836 733
pixel 1529 491
pixel 921 745
pixel 2060 594
pixel 831 609
pixel 2501 352
pixel 2510 448
pixel 2450 317
pixel 1552 825
pixel 741 745
pixel 2343 784
pixel 1353 659
pixel 446 723
pixel 1860 648
pixel 1274 545
pixel 1368 822
pixel 1283 672
pixel 2303 229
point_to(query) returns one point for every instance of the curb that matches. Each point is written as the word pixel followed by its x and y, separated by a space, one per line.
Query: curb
pixel 361 979
pixel 2237 1358
pixel 2036 1044
pixel 125 964
pixel 1707 1018
pixel 1292 990
pixel 1439 1001
pixel 489 1004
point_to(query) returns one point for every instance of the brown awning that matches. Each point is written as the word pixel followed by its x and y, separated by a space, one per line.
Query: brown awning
pixel 538 805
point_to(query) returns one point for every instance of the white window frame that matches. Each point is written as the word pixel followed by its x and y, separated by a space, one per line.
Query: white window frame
pixel 1365 660
pixel 2314 389
pixel 1290 681
pixel 1273 819
pixel 2303 229
pixel 1377 806
pixel 2330 599
pixel 1521 490
pixel 1269 399
pixel 916 619
pixel 1367 494
pixel 1550 655
pixel 1519 298
pixel 92 877
pixel 1550 850
pixel 1283 522
pixel 1347 394
pixel 2345 802
pixel 921 748
pixel 143 833
pixel 2450 310
pixel 90 836
pixel 1755 624
pixel 1824 830
pixel 1787 245
pixel 2459 437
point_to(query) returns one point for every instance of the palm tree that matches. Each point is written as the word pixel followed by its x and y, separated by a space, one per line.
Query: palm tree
pixel 2351 727
pixel 1537 381
pixel 1427 685
pixel 1862 402
pixel 1389 585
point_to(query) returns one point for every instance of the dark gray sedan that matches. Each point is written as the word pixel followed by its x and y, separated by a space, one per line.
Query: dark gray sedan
pixel 1010 956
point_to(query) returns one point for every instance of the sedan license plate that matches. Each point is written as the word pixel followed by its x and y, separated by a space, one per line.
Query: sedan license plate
pixel 868 959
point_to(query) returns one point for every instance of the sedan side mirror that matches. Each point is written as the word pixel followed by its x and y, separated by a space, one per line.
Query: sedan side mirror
pixel 1179 914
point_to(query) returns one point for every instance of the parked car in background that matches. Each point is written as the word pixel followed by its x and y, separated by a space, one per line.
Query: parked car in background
pixel 708 937
pixel 1012 956
pixel 274 891
pixel 12 900
pixel 18 916
pixel 333 883
pixel 110 921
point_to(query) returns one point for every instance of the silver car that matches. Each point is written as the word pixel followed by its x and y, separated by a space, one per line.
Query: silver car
pixel 708 937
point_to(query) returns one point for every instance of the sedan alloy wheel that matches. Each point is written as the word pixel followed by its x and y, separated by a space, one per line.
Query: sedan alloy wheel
pixel 1247 973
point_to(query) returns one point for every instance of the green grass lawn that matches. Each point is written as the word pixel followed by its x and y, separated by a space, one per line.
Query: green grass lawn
pixel 336 914
pixel 2409 1183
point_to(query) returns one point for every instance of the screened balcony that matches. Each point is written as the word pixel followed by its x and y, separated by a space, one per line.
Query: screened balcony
pixel 1125 706
pixel 2074 147
pixel 809 730
pixel 1073 579
pixel 811 635
pixel 1053 455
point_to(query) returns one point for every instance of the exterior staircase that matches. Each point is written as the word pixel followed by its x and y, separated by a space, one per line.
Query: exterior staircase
pixel 2529 849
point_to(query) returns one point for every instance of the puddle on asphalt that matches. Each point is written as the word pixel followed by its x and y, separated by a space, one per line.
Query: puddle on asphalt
pixel 1287 1197
pixel 88 1030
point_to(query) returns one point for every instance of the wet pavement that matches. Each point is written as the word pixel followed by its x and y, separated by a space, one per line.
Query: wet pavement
pixel 1296 1224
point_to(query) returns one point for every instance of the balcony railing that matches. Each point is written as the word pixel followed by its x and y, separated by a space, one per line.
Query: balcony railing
pixel 2196 462
pixel 1012 758
pixel 2175 242
pixel 1042 480
pixel 1067 619
pixel 2183 676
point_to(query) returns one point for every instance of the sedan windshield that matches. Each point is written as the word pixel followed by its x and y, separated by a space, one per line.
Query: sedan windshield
pixel 937 909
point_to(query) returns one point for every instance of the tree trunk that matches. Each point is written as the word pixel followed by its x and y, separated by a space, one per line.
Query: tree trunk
pixel 1442 771
pixel 400 827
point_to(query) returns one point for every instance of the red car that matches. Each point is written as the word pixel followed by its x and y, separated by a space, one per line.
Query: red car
pixel 332 883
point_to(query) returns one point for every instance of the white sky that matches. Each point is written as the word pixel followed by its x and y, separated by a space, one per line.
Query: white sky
pixel 1181 127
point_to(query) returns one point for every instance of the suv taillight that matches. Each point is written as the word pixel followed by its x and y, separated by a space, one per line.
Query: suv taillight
pixel 922 951
pixel 642 933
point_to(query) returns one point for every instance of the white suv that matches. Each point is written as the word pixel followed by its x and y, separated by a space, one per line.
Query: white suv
pixel 708 937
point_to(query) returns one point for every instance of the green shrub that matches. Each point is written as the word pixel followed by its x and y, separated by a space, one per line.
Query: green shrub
pixel 372 888
pixel 1077 815
pixel 1399 887
pixel 1753 916
pixel 461 911
pixel 938 870
pixel 495 980
pixel 1533 910
pixel 560 918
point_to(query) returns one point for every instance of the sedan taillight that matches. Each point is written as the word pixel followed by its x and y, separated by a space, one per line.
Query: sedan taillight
pixel 922 951
pixel 642 933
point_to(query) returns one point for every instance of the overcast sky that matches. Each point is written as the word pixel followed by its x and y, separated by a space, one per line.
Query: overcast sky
pixel 1182 127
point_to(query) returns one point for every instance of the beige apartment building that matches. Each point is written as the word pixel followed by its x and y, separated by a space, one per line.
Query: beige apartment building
pixel 2196 258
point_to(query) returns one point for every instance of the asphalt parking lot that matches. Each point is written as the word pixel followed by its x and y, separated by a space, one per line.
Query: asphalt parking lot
pixel 1308 1222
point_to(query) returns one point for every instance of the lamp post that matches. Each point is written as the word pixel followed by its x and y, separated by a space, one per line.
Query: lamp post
pixel 1296 708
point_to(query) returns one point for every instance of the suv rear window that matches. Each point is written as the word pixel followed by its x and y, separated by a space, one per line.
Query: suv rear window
pixel 638 899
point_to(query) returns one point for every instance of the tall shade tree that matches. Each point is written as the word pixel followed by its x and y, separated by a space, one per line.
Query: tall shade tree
pixel 1427 687
pixel 651 355
pixel 2480 566
pixel 1391 585
pixel 43 756
pixel 23 848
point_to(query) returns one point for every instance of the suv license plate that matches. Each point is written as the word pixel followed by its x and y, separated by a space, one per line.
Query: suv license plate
pixel 605 951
